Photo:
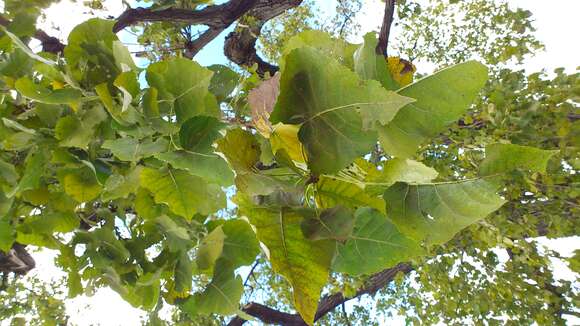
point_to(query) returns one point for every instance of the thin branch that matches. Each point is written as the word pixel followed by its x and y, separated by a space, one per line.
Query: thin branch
pixel 386 28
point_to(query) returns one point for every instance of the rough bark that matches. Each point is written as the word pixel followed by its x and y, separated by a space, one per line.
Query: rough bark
pixel 381 48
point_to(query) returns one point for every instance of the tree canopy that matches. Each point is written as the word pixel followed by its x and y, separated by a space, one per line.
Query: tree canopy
pixel 310 172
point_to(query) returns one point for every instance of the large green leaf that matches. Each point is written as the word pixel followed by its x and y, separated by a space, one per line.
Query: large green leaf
pixel 375 244
pixel 221 296
pixel 304 263
pixel 197 134
pixel 331 102
pixel 184 194
pixel 210 167
pixel 369 65
pixel 501 158
pixel 240 245
pixel 436 212
pixel 183 88
pixel 132 150
pixel 29 89
pixel 442 98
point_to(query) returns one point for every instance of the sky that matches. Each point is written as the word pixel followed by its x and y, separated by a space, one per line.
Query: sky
pixel 557 26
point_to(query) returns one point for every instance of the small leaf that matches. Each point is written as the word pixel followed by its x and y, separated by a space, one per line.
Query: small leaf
pixel 223 82
pixel 241 149
pixel 183 273
pixel 210 249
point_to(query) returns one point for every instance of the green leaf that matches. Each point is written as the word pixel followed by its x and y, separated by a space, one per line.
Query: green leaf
pixel 24 48
pixel 328 100
pixel 183 273
pixel 442 98
pixel 375 244
pixel 370 65
pixel 146 206
pixel 221 296
pixel 210 249
pixel 331 191
pixel 210 167
pixel 6 235
pixel 73 131
pixel 123 57
pixel 436 212
pixel 323 42
pixel 129 86
pixel 132 150
pixel 241 149
pixel 8 173
pixel 502 158
pixel 183 88
pixel 50 223
pixel 184 194
pixel 199 133
pixel 304 263
pixel 395 169
pixel 35 166
pixel 109 244
pixel 120 186
pixel 17 126
pixel 178 239
pixel 240 246
pixel 81 184
pixel 333 223
pixel 223 82
pixel 29 89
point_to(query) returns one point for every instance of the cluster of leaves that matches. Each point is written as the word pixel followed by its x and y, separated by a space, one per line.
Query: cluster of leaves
pixel 127 183
pixel 29 301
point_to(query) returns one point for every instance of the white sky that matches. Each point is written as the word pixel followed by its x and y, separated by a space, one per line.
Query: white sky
pixel 558 27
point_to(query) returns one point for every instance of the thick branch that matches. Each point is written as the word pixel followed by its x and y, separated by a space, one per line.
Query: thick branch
pixel 326 305
pixel 49 43
pixel 386 27
pixel 212 16
pixel 240 45
pixel 17 260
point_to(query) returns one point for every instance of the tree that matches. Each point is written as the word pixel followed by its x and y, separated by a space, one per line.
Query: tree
pixel 354 180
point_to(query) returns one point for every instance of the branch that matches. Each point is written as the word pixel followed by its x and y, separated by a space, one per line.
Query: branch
pixel 212 16
pixel 49 43
pixel 326 305
pixel 240 45
pixel 17 260
pixel 386 28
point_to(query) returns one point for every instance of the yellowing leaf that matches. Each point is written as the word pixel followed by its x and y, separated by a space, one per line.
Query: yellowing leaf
pixel 304 263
